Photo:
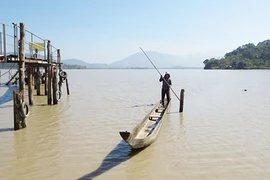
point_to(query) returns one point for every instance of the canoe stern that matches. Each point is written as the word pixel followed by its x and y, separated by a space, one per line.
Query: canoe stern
pixel 125 135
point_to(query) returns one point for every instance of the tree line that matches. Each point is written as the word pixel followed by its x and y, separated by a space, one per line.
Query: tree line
pixel 247 56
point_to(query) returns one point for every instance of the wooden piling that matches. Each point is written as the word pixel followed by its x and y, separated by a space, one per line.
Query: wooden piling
pixel 46 81
pixel 18 97
pixel 67 86
pixel 22 60
pixel 60 69
pixel 181 100
pixel 38 81
pixel 19 120
pixel 54 72
pixel 49 95
pixel 30 85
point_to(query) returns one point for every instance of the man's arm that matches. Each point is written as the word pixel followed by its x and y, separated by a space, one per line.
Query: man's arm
pixel 161 78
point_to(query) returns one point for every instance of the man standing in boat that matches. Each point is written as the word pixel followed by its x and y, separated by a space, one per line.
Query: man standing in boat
pixel 165 87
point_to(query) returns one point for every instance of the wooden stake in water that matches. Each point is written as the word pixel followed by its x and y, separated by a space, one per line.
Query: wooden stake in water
pixel 181 100
pixel 19 120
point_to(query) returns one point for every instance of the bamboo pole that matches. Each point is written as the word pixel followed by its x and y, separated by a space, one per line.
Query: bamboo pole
pixel 181 100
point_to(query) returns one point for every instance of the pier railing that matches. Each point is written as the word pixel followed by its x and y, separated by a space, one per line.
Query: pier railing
pixel 35 46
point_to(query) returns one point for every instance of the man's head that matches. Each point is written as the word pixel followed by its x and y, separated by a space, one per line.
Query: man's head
pixel 167 75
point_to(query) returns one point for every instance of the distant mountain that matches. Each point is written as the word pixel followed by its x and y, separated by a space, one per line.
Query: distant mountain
pixel 75 62
pixel 139 60
pixel 160 60
pixel 82 63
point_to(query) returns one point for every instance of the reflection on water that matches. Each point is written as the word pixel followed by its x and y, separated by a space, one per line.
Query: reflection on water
pixel 223 132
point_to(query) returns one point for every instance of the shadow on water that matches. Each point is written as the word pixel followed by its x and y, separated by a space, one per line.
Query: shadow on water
pixel 8 96
pixel 6 129
pixel 121 153
pixel 176 112
pixel 140 105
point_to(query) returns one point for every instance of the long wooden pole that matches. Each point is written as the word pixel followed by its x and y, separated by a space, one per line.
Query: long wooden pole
pixel 159 73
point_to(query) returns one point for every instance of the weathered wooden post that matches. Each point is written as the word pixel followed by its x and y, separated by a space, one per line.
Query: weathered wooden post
pixel 22 60
pixel 60 69
pixel 38 81
pixel 49 73
pixel 67 86
pixel 20 108
pixel 30 84
pixel 46 80
pixel 181 100
pixel 54 72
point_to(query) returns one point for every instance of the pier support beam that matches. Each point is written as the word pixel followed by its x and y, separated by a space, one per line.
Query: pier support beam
pixel 54 73
pixel 46 81
pixel 60 69
pixel 67 86
pixel 37 75
pixel 30 84
pixel 22 60
pixel 49 73
pixel 21 109
pixel 19 119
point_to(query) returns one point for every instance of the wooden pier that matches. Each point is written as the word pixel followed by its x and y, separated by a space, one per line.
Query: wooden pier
pixel 31 53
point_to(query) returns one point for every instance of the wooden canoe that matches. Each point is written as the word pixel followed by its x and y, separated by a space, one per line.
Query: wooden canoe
pixel 146 132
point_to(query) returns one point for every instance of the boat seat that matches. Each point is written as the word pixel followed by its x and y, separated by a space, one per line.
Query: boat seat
pixel 154 116
pixel 159 110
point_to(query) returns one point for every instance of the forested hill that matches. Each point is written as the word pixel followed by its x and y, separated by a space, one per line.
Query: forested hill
pixel 247 56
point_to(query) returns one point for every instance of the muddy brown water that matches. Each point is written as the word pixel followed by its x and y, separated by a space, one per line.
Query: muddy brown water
pixel 223 132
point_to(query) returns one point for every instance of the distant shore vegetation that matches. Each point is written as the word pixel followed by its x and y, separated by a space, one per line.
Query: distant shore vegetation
pixel 247 56
pixel 67 66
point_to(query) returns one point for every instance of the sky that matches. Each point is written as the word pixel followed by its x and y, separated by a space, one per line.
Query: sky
pixel 105 31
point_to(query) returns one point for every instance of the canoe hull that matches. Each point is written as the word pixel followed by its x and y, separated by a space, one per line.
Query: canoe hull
pixel 146 132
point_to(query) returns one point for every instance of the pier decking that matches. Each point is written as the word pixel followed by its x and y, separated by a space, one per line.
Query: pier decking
pixel 36 48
